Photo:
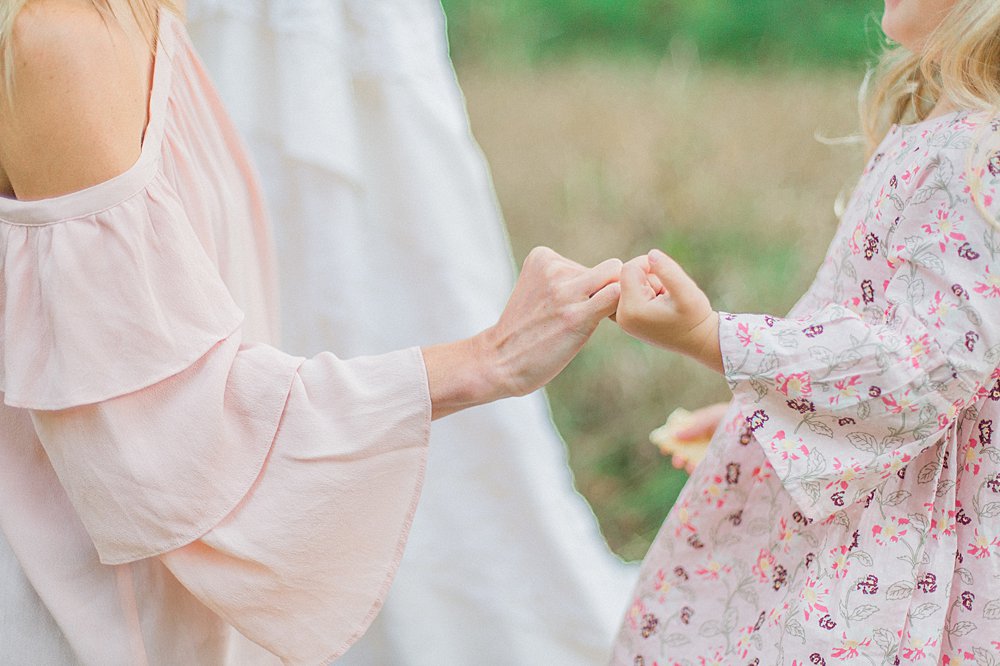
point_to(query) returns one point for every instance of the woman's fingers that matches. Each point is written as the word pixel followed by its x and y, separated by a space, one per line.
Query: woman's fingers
pixel 605 302
pixel 592 280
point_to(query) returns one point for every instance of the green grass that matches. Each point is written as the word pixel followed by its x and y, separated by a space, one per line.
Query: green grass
pixel 747 32
pixel 714 164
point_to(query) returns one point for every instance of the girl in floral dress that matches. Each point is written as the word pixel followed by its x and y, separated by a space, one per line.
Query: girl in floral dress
pixel 849 506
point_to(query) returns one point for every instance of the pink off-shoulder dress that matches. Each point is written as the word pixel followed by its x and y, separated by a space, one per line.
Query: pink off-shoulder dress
pixel 173 489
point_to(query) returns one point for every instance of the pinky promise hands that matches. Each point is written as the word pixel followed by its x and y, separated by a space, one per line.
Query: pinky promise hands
pixel 660 304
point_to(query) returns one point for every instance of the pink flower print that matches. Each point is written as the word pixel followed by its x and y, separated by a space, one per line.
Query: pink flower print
pixel 788 448
pixel 981 545
pixel 944 229
pixel 845 473
pixel 848 648
pixel 635 613
pixel 890 531
pixel 847 388
pixel 840 563
pixel 918 347
pixel 915 648
pixel 747 338
pixel 940 308
pixel 958 657
pixel 972 460
pixel 813 597
pixel 717 660
pixel 761 473
pixel 713 492
pixel 795 385
pixel 858 236
pixel 764 565
pixel 991 287
pixel 684 523
pixel 896 463
pixel 711 570
pixel 785 534
pixel 897 405
pixel 661 585
pixel 942 521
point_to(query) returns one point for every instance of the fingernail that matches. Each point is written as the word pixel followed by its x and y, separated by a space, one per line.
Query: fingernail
pixel 656 255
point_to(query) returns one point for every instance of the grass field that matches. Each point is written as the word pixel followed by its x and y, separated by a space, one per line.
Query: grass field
pixel 717 166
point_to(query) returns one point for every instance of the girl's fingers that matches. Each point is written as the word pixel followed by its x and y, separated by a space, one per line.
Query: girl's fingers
pixel 704 422
pixel 672 276
pixel 655 283
pixel 633 281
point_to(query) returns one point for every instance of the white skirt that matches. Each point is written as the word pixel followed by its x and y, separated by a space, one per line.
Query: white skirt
pixel 389 235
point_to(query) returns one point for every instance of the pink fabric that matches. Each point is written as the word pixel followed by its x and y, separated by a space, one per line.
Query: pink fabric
pixel 147 423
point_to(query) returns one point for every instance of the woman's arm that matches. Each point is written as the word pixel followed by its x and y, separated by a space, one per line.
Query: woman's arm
pixel 554 308
pixel 76 120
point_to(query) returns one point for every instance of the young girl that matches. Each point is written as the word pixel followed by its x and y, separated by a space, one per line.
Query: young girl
pixel 849 507
pixel 174 489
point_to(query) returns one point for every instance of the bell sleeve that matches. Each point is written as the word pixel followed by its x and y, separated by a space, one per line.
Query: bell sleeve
pixel 840 398
pixel 278 490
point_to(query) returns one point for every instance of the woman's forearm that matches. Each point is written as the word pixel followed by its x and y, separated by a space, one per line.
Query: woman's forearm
pixel 460 375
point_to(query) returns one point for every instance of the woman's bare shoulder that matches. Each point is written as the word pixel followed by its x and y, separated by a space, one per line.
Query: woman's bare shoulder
pixel 77 107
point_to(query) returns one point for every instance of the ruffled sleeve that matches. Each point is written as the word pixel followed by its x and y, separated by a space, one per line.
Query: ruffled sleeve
pixel 279 490
pixel 843 397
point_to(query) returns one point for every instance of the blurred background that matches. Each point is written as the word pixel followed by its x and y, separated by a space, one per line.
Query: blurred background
pixel 690 125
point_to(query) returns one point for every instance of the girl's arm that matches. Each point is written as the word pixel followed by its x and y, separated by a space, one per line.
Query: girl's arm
pixel 844 397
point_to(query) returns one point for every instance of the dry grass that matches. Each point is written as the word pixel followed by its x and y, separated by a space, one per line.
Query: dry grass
pixel 720 168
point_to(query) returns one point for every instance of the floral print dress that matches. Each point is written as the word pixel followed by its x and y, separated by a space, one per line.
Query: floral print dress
pixel 848 510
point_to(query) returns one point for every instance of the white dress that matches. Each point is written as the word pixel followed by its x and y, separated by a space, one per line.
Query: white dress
pixel 388 228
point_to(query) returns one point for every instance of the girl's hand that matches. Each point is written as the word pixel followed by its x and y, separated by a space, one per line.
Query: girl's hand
pixel 661 305
pixel 702 425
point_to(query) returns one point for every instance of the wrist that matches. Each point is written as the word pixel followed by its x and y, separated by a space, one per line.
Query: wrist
pixel 708 350
pixel 462 374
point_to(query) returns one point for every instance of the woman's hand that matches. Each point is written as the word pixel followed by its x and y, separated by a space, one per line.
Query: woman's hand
pixel 661 305
pixel 554 308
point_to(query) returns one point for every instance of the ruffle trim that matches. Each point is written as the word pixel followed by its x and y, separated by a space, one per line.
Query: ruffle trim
pixel 103 305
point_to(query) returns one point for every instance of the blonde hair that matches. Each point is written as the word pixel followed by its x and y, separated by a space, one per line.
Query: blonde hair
pixel 144 12
pixel 957 67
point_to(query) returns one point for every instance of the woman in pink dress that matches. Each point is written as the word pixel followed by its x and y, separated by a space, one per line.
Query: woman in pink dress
pixel 175 490
pixel 848 510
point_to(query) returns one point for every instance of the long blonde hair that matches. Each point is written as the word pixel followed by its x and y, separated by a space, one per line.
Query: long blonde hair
pixel 958 67
pixel 144 13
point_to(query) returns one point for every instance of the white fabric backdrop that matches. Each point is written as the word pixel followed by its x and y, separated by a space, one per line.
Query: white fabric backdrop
pixel 389 236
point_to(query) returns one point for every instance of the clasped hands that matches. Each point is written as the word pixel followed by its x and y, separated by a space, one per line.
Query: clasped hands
pixel 557 304
pixel 553 310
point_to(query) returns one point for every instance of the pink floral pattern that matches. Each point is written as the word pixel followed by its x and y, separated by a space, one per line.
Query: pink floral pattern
pixel 848 510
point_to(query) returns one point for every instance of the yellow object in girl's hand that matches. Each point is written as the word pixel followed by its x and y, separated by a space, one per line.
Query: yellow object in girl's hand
pixel 665 438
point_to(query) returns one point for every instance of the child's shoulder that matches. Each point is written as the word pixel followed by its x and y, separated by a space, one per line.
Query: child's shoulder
pixel 956 153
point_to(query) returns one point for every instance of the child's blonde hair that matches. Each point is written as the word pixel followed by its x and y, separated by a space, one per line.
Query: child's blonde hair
pixel 143 11
pixel 958 67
